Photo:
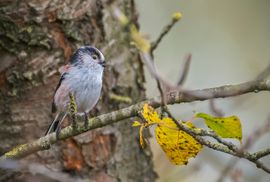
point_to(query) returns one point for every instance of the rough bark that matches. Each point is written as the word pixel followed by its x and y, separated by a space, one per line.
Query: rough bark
pixel 36 38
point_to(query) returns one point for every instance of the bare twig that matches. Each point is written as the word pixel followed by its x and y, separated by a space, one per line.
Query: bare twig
pixel 218 112
pixel 184 72
pixel 256 135
pixel 165 31
pixel 262 153
pixel 227 169
pixel 161 82
pixel 146 49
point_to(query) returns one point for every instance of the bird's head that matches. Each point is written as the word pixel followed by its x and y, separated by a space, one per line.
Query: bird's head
pixel 88 56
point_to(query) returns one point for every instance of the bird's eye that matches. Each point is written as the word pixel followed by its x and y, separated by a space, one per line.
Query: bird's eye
pixel 94 56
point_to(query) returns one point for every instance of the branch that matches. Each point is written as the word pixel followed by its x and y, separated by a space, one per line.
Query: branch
pixel 175 18
pixel 45 142
pixel 184 73
pixel 150 62
pixel 262 153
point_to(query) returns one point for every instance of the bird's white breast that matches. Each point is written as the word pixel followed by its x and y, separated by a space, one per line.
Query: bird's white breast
pixel 86 86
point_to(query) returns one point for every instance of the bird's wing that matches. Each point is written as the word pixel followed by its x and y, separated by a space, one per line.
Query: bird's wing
pixel 64 72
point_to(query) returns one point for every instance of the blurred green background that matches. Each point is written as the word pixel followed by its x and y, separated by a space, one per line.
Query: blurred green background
pixel 229 41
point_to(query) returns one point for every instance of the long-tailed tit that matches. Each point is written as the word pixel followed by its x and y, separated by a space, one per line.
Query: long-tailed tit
pixel 82 77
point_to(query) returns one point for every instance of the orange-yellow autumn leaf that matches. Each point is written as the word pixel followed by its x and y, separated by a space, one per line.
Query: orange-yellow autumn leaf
pixel 177 144
pixel 150 114
pixel 225 127
pixel 151 117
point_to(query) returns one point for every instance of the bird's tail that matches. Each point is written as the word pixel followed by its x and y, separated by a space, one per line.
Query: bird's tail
pixel 56 123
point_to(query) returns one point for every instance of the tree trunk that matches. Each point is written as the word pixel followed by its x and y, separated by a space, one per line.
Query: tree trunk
pixel 36 38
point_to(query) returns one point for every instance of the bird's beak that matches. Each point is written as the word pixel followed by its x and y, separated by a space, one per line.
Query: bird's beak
pixel 102 63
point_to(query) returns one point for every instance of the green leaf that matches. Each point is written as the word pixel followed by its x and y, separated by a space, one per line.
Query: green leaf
pixel 225 127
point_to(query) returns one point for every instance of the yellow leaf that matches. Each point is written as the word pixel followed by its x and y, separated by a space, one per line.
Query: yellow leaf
pixel 142 126
pixel 142 140
pixel 225 127
pixel 150 115
pixel 136 123
pixel 177 144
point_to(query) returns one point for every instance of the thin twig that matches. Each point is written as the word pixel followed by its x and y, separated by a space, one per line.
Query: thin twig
pixel 262 153
pixel 161 83
pixel 184 72
pixel 164 32
pixel 146 49
pixel 218 112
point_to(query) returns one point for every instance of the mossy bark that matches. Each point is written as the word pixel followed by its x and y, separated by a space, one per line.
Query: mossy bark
pixel 36 38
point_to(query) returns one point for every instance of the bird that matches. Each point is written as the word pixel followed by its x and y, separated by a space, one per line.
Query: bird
pixel 81 77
